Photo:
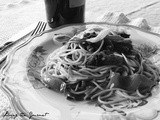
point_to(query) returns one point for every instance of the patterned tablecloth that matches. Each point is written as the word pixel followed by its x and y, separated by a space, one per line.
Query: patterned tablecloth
pixel 116 17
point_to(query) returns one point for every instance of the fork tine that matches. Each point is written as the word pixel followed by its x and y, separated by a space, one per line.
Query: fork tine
pixel 34 31
pixel 45 24
pixel 37 28
pixel 42 27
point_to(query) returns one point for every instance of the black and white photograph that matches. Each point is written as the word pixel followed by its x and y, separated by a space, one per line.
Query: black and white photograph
pixel 79 59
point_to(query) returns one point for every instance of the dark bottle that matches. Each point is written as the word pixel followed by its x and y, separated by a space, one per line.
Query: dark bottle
pixel 52 12
pixel 60 12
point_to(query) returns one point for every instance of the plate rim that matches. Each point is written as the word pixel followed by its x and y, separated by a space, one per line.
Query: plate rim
pixel 107 23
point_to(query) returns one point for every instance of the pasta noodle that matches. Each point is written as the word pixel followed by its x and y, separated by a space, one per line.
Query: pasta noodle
pixel 101 68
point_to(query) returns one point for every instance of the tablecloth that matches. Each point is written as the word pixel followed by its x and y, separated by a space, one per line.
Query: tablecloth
pixel 18 14
pixel 145 16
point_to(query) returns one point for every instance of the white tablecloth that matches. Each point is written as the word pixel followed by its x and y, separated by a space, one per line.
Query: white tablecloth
pixel 18 14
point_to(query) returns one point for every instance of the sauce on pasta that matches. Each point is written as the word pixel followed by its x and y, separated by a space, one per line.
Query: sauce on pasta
pixel 101 65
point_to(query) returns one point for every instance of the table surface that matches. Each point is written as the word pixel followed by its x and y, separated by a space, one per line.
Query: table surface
pixel 17 15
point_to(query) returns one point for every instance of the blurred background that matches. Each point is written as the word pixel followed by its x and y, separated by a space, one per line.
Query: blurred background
pixel 15 15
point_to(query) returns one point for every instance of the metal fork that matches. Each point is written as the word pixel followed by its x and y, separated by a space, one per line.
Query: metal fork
pixel 39 28
pixel 9 46
pixel 6 55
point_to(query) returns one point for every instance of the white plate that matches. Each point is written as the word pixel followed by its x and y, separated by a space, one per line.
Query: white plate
pixel 31 99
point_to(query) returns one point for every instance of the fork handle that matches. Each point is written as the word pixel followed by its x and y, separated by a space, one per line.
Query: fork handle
pixel 9 46
pixel 5 45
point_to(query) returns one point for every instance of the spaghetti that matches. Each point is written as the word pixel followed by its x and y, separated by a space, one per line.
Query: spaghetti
pixel 101 65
